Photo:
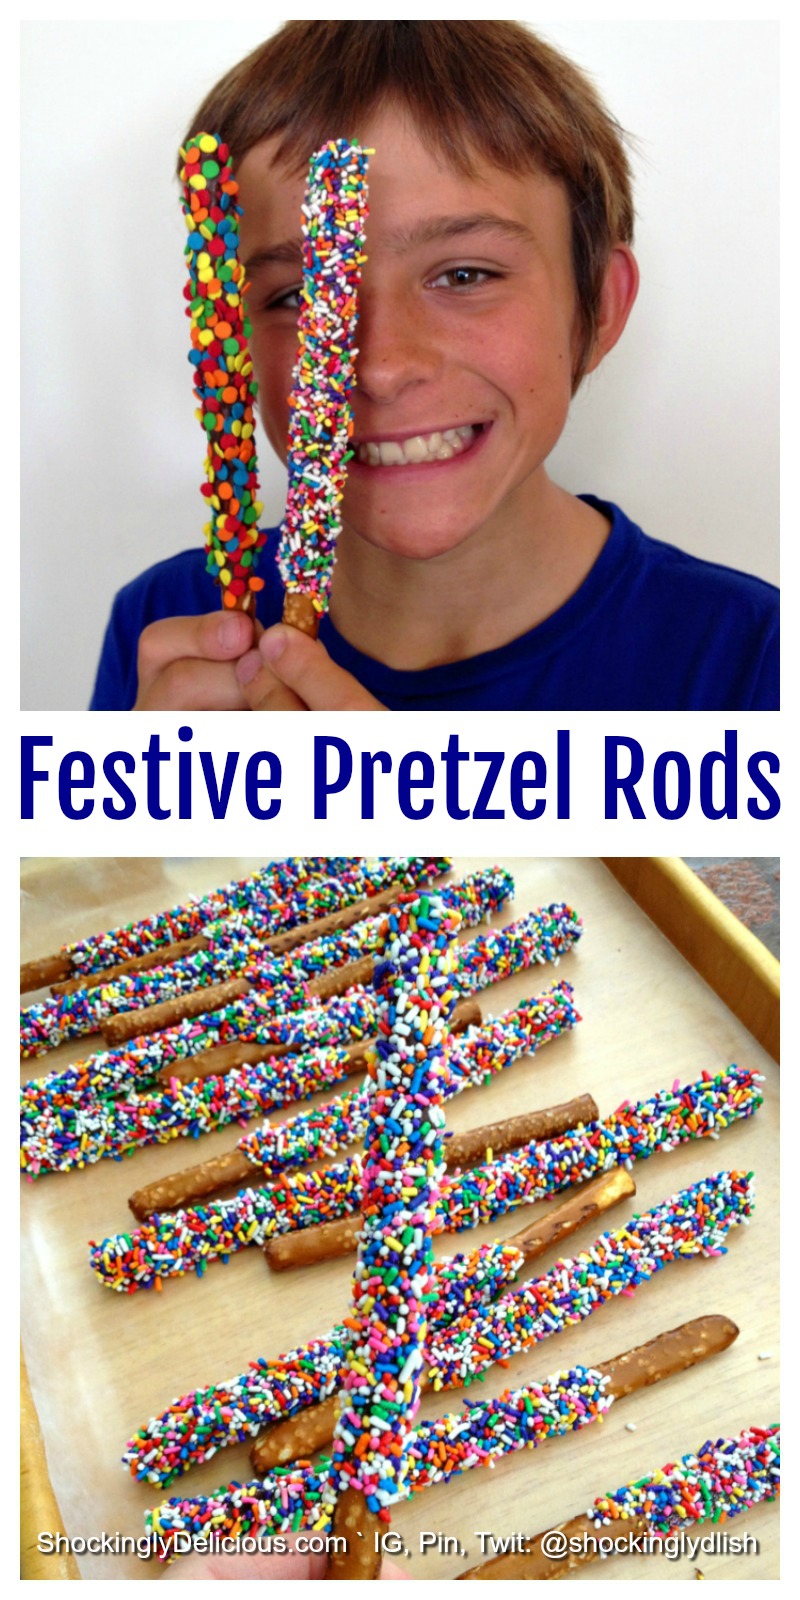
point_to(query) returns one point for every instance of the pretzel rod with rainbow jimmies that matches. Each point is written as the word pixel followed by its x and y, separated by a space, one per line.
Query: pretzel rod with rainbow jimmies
pixel 177 1053
pixel 471 1059
pixel 186 1241
pixel 724 1478
pixel 320 422
pixel 274 883
pixel 293 1397
pixel 694 1222
pixel 235 947
pixel 298 1497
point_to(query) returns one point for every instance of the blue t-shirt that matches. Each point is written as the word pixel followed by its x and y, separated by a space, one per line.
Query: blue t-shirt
pixel 650 629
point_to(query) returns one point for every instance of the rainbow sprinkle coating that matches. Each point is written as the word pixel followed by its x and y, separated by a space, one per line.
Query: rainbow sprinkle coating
pixel 320 423
pixel 463 1339
pixel 724 1478
pixel 222 368
pixel 480 1433
pixel 59 1135
pixel 401 1176
pixel 168 1246
pixel 236 948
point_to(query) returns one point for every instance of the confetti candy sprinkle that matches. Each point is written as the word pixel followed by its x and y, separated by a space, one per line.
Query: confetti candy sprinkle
pixel 223 370
pixel 402 1171
pixel 724 1478
pixel 480 1433
pixel 168 1246
pixel 321 424
pixel 467 1332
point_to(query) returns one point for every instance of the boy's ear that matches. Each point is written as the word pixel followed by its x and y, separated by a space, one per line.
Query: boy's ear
pixel 620 289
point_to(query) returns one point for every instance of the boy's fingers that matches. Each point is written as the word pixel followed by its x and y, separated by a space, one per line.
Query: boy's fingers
pixel 304 666
pixel 261 689
pixel 216 636
pixel 192 685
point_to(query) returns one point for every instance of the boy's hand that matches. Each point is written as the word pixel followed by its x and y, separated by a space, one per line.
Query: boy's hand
pixel 188 663
pixel 290 672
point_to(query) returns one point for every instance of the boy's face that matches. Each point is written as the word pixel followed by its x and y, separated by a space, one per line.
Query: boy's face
pixel 466 336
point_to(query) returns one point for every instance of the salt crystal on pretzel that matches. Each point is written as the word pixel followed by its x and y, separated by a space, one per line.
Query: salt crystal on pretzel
pixel 403 1166
pixel 320 426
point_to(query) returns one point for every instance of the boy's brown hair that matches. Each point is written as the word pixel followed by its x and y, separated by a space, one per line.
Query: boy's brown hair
pixel 490 87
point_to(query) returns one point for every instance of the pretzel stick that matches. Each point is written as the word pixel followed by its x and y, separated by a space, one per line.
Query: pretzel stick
pixel 170 1246
pixel 295 1497
pixel 632 1133
pixel 402 1170
pixel 320 422
pixel 724 1478
pixel 329 1128
pixel 275 882
pixel 278 898
pixel 694 1222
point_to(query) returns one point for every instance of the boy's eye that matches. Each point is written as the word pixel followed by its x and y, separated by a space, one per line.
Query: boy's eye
pixel 286 300
pixel 462 278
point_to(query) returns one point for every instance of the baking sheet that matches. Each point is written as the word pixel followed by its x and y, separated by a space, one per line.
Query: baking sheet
pixel 100 1363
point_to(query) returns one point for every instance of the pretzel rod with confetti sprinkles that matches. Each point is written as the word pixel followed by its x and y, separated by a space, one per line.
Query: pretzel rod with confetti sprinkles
pixel 292 1396
pixel 186 1241
pixel 479 1434
pixel 274 883
pixel 234 947
pixel 222 368
pixel 320 421
pixel 401 1175
pixel 471 1060
pixel 723 1479
pixel 464 1346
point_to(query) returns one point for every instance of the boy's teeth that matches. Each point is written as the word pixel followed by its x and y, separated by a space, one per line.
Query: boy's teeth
pixel 422 447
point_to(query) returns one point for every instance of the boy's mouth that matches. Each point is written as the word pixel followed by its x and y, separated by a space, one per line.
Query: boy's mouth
pixel 420 447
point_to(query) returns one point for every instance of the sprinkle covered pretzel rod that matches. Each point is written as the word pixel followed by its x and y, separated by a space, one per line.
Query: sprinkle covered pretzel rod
pixel 724 1478
pixel 168 1246
pixel 234 947
pixel 198 1424
pixel 296 1497
pixel 222 368
pixel 402 1171
pixel 698 1110
pixel 471 1059
pixel 694 1222
pixel 258 921
pixel 320 423
pixel 275 881
pixel 176 1053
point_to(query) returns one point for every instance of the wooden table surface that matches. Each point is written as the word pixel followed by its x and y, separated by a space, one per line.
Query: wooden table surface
pixel 101 1363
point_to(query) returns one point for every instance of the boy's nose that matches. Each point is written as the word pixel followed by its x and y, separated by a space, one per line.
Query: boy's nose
pixel 395 349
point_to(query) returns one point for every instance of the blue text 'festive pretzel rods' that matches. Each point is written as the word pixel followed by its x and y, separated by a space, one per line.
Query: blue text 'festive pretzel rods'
pixel 233 948
pixel 480 1433
pixel 472 1059
pixel 320 421
pixel 696 1221
pixel 272 921
pixel 198 1424
pixel 187 1241
pixel 275 882
pixel 724 1478
pixel 698 1110
pixel 393 1281
pixel 293 1395
pixel 537 938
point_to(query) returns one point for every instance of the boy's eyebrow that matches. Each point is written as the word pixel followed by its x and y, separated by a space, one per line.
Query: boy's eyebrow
pixel 428 231
pixel 431 229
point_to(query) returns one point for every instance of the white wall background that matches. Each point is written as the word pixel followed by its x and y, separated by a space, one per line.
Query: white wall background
pixel 680 425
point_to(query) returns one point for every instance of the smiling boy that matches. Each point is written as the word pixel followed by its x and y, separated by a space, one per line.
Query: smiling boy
pixel 499 274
